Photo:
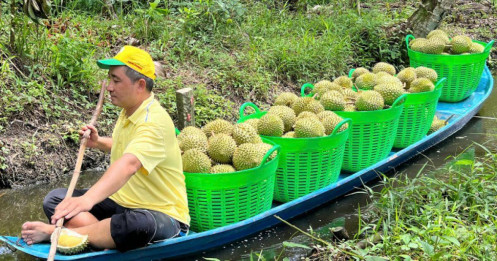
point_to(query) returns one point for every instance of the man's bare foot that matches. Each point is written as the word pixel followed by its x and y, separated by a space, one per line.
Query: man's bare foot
pixel 36 232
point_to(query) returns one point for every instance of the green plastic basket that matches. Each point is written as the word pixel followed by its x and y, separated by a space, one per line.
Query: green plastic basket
pixel 371 136
pixel 416 118
pixel 220 199
pixel 463 71
pixel 305 164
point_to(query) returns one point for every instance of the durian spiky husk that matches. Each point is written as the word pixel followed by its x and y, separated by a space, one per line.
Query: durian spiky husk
pixel 71 242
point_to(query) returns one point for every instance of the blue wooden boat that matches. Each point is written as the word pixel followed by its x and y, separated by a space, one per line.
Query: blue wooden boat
pixel 195 242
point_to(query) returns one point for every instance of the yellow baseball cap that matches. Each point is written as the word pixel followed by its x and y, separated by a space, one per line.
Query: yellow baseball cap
pixel 135 58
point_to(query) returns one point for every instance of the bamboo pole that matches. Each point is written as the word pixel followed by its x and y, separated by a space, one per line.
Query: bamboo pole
pixel 77 169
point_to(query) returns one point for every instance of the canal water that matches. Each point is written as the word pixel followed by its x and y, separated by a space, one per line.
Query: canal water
pixel 20 205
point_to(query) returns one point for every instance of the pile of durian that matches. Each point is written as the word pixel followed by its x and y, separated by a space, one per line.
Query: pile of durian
pixel 376 90
pixel 221 147
pixel 438 42
pixel 296 117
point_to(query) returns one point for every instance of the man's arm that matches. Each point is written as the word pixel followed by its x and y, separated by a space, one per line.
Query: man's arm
pixel 113 179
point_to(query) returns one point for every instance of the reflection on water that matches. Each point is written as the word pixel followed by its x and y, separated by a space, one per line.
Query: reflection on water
pixel 20 205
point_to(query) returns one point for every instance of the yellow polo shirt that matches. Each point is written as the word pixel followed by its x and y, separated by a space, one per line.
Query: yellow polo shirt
pixel 160 184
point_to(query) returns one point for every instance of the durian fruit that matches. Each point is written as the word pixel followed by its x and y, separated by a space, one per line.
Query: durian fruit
pixel 286 99
pixel 460 44
pixel 437 32
pixel 441 39
pixel 350 107
pixel 321 87
pixel 407 75
pixel 221 148
pixel 290 134
pixel 264 148
pixel 384 67
pixel 366 81
pixel 418 44
pixel 344 81
pixel 325 114
pixel 330 121
pixel 436 124
pixel 222 168
pixel 433 46
pixel 369 101
pixel 195 161
pixel 270 125
pixel 421 85
pixel 388 79
pixel 349 95
pixel 307 114
pixel 476 48
pixel 286 114
pixel 358 72
pixel 193 141
pixel 308 127
pixel 389 91
pixel 333 101
pixel 218 126
pixel 190 130
pixel 247 156
pixel 307 104
pixel 425 72
pixel 70 242
pixel 252 122
pixel 245 133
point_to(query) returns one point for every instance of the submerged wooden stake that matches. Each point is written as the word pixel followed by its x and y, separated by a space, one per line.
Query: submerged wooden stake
pixel 77 169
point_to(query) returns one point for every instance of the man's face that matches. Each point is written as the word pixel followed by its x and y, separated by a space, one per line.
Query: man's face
pixel 122 90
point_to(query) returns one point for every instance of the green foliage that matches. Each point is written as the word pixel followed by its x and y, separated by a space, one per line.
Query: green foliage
pixel 438 216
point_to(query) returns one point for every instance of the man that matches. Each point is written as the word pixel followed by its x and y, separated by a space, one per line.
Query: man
pixel 141 198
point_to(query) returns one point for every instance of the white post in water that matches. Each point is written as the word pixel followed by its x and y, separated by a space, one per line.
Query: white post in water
pixel 185 107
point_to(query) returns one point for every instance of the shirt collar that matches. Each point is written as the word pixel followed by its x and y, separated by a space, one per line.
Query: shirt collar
pixel 136 115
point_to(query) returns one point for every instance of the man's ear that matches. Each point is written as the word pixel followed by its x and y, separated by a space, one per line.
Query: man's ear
pixel 142 85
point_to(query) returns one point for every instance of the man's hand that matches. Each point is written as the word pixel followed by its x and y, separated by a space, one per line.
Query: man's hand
pixel 70 207
pixel 93 140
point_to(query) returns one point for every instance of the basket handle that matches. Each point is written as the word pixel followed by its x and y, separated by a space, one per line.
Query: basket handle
pixel 339 125
pixel 400 100
pixel 248 104
pixel 269 152
pixel 176 131
pixel 409 37
pixel 305 86
pixel 351 72
pixel 440 83
pixel 488 46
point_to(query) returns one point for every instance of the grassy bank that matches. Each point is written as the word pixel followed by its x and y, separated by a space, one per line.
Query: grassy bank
pixel 448 214
pixel 229 52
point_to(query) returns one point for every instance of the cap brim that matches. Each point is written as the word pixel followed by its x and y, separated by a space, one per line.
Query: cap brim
pixel 106 64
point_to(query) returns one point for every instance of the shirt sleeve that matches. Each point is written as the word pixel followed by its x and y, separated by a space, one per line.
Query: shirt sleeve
pixel 148 146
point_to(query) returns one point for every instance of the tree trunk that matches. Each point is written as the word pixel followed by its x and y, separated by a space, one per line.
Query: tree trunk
pixel 428 16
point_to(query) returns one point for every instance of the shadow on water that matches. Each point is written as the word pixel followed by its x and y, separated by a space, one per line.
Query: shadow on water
pixel 21 205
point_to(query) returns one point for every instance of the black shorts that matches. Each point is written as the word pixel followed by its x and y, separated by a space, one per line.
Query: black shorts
pixel 129 228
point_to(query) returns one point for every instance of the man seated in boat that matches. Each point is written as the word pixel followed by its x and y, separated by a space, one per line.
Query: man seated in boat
pixel 141 198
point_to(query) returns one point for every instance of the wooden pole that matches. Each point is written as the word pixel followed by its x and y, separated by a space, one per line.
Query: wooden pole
pixel 185 107
pixel 77 169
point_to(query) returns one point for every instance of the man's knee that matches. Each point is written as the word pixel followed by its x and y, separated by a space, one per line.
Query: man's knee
pixel 52 199
pixel 132 229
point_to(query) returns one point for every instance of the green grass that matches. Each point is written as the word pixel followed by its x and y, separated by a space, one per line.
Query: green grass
pixel 444 215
